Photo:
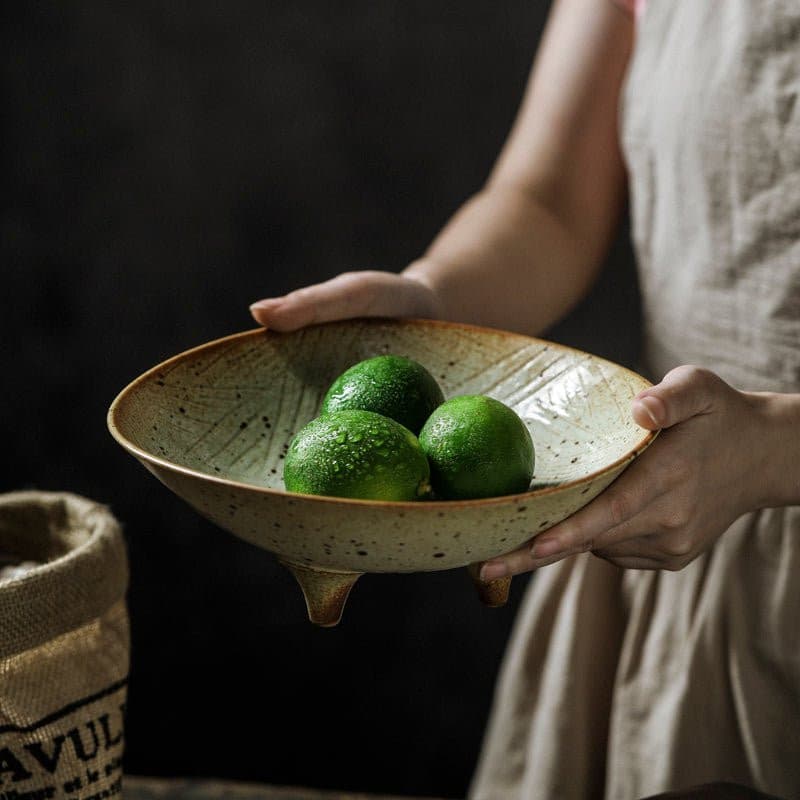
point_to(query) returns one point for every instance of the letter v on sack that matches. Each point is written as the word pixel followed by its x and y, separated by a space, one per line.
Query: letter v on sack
pixel 48 760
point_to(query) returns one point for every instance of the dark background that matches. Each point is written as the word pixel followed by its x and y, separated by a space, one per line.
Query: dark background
pixel 165 165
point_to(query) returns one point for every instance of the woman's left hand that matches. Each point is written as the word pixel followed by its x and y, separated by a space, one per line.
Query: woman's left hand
pixel 716 458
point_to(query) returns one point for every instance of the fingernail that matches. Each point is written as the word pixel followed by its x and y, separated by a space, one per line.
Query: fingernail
pixel 493 570
pixel 545 547
pixel 654 409
pixel 262 304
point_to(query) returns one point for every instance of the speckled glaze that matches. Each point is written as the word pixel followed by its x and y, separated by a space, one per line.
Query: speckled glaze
pixel 214 423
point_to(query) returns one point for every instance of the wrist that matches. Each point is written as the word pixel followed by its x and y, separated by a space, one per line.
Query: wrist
pixel 419 274
pixel 779 447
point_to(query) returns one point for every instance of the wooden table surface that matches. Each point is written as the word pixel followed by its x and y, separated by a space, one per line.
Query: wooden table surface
pixel 137 788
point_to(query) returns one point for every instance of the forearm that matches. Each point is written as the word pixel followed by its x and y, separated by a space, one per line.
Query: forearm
pixel 507 260
pixel 526 249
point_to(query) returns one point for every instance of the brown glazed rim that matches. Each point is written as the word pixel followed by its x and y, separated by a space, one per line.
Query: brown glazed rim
pixel 117 410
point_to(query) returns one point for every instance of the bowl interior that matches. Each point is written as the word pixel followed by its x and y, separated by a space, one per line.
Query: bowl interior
pixel 229 409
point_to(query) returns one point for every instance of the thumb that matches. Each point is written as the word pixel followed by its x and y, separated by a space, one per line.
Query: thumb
pixel 368 293
pixel 683 392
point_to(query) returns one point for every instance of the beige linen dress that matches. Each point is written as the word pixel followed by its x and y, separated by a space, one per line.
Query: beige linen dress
pixel 624 683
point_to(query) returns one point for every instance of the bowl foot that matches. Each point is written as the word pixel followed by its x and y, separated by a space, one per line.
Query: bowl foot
pixel 325 592
pixel 491 593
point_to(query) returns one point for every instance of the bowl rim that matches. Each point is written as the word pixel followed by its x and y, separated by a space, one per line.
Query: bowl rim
pixel 143 455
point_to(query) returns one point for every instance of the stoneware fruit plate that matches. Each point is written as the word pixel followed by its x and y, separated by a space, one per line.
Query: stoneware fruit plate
pixel 214 424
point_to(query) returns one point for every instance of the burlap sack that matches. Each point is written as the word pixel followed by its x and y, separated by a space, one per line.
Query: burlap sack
pixel 64 648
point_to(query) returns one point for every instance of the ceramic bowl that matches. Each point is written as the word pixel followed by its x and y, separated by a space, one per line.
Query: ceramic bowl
pixel 214 423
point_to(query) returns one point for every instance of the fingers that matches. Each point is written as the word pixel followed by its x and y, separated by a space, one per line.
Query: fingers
pixel 684 392
pixel 514 563
pixel 631 562
pixel 346 295
pixel 609 517
pixel 624 540
pixel 637 554
pixel 650 552
pixel 369 293
pixel 283 313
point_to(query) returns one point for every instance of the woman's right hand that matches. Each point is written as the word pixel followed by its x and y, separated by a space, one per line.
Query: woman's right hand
pixel 369 293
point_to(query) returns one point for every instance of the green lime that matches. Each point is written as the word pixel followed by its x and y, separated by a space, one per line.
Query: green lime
pixel 477 447
pixel 357 454
pixel 394 386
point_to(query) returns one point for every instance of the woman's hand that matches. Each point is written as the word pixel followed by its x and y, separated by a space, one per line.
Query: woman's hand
pixel 721 453
pixel 352 294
